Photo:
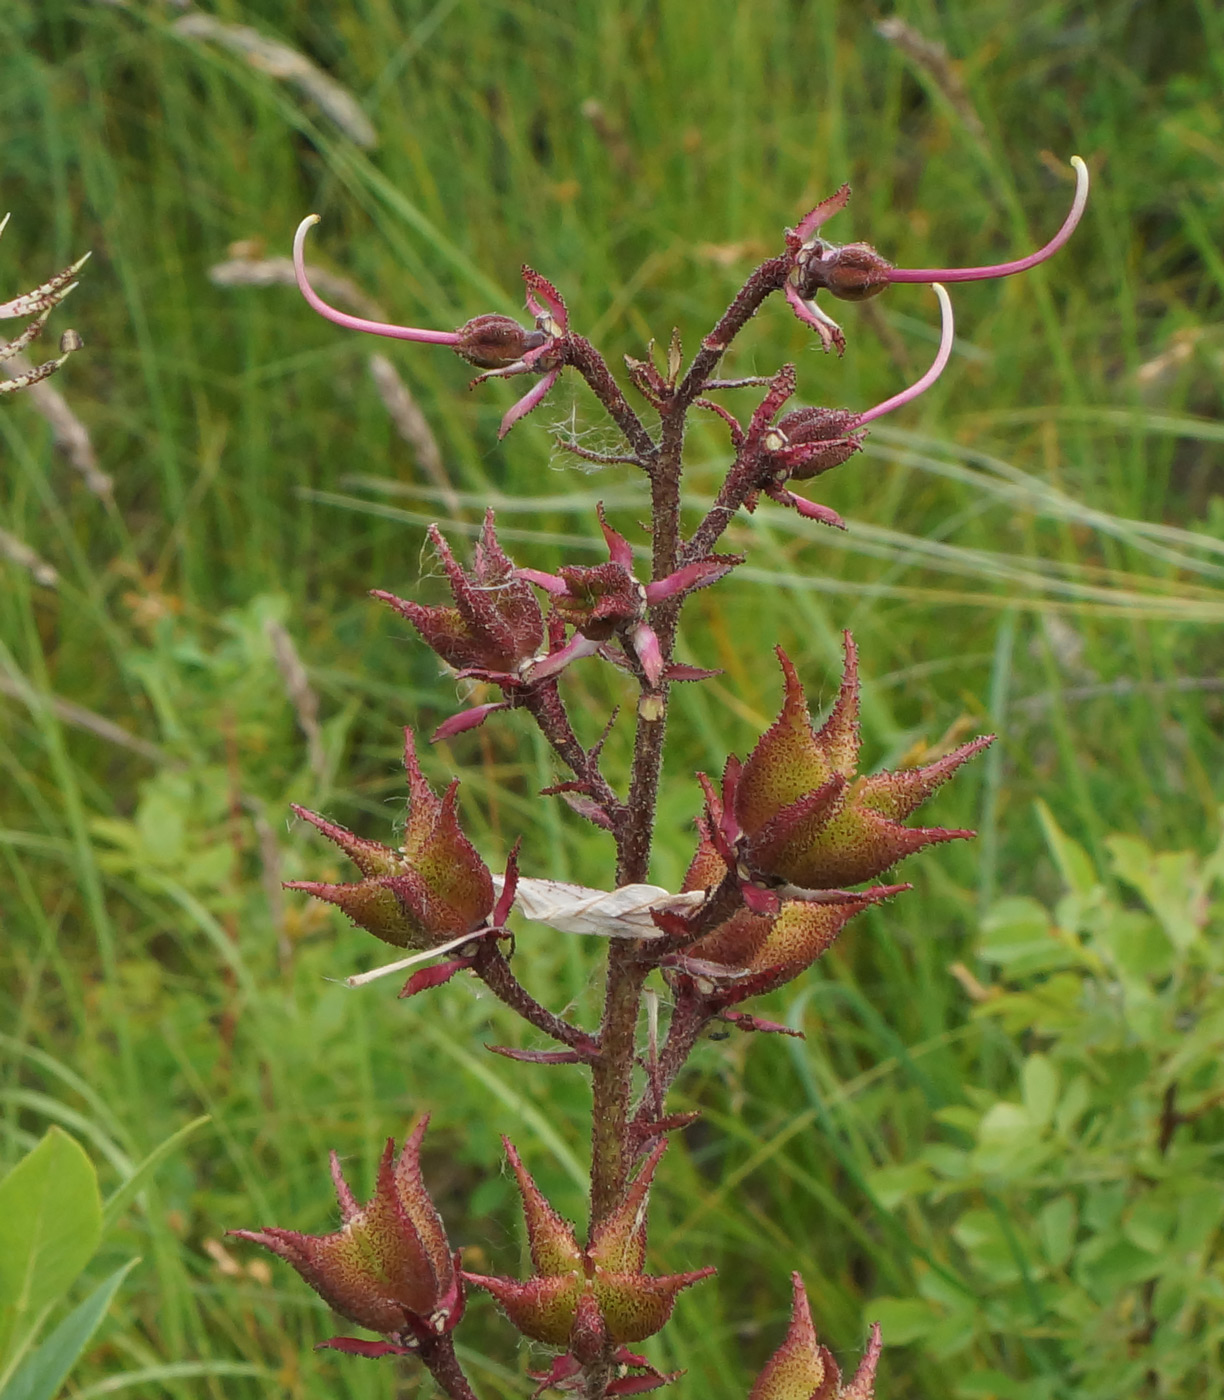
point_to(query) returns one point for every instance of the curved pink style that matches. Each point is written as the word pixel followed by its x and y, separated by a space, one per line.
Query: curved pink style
pixel 342 318
pixel 937 366
pixel 978 274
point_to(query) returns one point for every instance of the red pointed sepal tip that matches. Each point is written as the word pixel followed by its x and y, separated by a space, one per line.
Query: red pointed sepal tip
pixel 862 1383
pixel 742 1021
pixel 544 1057
pixel 553 1244
pixel 801 1369
pixel 370 857
pixel 390 1268
pixel 435 976
pixel 357 1346
pixel 587 1300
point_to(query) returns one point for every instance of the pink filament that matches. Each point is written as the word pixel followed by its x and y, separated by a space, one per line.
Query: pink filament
pixel 937 366
pixel 355 323
pixel 978 274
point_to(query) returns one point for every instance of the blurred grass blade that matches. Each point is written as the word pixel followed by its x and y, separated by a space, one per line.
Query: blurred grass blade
pixel 119 1200
pixel 40 1376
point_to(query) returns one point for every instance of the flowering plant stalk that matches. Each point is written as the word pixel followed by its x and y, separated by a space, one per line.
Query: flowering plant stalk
pixel 793 840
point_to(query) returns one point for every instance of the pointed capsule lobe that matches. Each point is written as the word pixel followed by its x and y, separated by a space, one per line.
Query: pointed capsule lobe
pixel 390 1267
pixel 587 1299
pixel 434 889
pixel 805 816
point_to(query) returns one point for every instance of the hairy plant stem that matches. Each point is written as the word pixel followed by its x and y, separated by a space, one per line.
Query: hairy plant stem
pixel 589 363
pixel 545 707
pixel 494 971
pixel 438 1354
pixel 612 1081
pixel 769 277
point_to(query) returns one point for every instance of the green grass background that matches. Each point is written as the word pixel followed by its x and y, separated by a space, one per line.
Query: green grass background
pixel 1017 560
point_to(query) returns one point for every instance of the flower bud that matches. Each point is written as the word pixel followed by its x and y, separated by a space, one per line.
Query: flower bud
pixel 390 1267
pixel 796 813
pixel 809 441
pixel 804 815
pixel 495 626
pixel 493 342
pixel 587 1300
pixel 434 889
pixel 757 953
pixel 802 1369
pixel 852 272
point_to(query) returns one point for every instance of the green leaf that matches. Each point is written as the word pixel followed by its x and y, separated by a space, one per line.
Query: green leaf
pixel 1056 1229
pixel 50 1225
pixel 40 1376
pixel 1039 1088
pixel 1199 1208
pixel 1113 1266
pixel 1072 1106
pixel 1005 1126
pixel 1018 935
pixel 1072 860
pixel 1171 885
pixel 1148 1223
pixel 1142 950
pixel 119 1201
pixel 980 1235
pixel 892 1185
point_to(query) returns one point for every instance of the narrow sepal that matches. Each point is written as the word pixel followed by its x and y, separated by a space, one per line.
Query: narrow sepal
pixel 810 510
pixel 424 978
pixel 619 1244
pixel 801 1369
pixel 741 1020
pixel 832 337
pixel 544 299
pixel 383 907
pixel 811 222
pixel 699 574
pixel 862 1383
pixel 554 1247
pixel 542 1308
pixel 678 672
pixel 786 763
pixel 357 1346
pixel 531 399
pixel 635 1306
pixel 588 808
pixel 466 719
pixel 898 794
pixel 619 550
pixel 370 857
pixel 838 736
pixel 859 844
pixel 542 1057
